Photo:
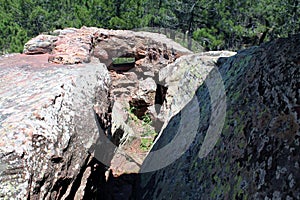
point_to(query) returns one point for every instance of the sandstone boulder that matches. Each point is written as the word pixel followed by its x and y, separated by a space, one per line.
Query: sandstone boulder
pixel 47 126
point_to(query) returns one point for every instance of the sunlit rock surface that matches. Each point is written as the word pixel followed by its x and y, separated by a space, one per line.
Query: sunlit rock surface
pixel 47 124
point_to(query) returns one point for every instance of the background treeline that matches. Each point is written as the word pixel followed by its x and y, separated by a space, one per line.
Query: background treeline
pixel 216 24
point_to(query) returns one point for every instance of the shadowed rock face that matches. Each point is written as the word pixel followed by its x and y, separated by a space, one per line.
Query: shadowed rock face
pixel 257 152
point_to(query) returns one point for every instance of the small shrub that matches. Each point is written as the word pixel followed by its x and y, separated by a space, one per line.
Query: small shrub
pixel 131 114
pixel 147 119
pixel 146 143
pixel 148 134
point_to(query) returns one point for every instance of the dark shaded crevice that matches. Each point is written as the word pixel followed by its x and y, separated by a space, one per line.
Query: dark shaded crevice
pixel 60 187
pixel 39 185
pixel 261 89
pixel 30 186
pixel 160 99
pixel 96 185
pixel 77 181
pixel 160 96
pixel 103 119
pixel 103 149
pixel 118 135
pixel 120 188
pixel 56 159
pixel 140 107
pixel 139 56
pixel 100 185
pixel 120 68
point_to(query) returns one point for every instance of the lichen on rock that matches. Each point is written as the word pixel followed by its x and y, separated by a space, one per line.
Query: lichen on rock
pixel 256 156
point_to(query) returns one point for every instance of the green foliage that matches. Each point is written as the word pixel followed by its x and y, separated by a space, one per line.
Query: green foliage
pixel 226 24
pixel 131 114
pixel 38 20
pixel 208 38
pixel 149 134
pixel 147 119
pixel 117 23
pixel 123 60
pixel 146 144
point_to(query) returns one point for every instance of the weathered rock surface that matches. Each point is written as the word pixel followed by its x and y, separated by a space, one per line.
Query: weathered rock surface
pixel 257 152
pixel 183 77
pixel 71 45
pixel 56 97
pixel 134 87
pixel 47 125
pixel 59 105
pixel 40 44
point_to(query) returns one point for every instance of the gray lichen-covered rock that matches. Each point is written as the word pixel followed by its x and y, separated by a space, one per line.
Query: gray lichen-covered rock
pixel 256 155
pixel 47 125
pixel 183 77
pixel 40 44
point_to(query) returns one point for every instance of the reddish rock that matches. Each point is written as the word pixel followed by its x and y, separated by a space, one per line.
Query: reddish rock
pixel 72 46
pixel 55 103
pixel 47 125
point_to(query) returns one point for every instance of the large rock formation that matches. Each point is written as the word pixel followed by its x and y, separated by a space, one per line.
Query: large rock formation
pixel 256 153
pixel 57 101
pixel 80 109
